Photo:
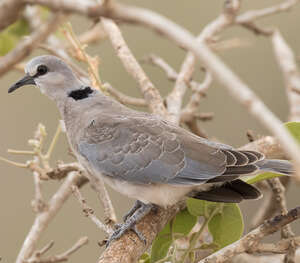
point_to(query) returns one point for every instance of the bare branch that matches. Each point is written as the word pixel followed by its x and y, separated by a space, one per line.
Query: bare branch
pixel 150 93
pixel 252 15
pixel 9 12
pixel 60 257
pixel 87 7
pixel 287 63
pixel 159 62
pixel 44 250
pixel 174 100
pixel 267 145
pixel 188 113
pixel 25 47
pixel 249 242
pixel 98 185
pixel 38 203
pixel 124 99
pixel 286 231
pixel 129 247
pixel 89 212
pixel 80 242
pixel 280 247
pixel 95 34
pixel 43 218
pixel 170 72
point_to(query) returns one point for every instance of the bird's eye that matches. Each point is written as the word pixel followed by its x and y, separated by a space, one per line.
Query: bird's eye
pixel 42 70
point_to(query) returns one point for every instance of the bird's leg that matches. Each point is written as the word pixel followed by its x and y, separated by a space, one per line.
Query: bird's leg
pixel 135 207
pixel 130 223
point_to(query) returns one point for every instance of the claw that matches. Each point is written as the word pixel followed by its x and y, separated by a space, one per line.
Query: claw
pixel 139 234
pixel 135 207
pixel 122 229
pixel 135 215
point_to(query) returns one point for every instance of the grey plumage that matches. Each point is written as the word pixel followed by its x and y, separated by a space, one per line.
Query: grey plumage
pixel 139 154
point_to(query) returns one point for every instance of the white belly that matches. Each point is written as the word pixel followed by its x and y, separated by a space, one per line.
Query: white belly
pixel 160 194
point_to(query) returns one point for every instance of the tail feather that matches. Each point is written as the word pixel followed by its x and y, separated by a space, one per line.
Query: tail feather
pixel 234 190
pixel 276 166
pixel 230 192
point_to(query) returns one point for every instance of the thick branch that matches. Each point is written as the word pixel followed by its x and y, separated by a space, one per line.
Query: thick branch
pixel 267 145
pixel 129 247
pixel 9 12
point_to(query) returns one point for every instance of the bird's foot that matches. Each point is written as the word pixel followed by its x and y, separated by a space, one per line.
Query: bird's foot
pixel 130 223
pixel 135 207
pixel 121 230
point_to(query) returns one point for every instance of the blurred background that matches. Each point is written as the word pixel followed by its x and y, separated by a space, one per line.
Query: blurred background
pixel 23 110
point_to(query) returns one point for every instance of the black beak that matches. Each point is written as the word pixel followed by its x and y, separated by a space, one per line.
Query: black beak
pixel 27 80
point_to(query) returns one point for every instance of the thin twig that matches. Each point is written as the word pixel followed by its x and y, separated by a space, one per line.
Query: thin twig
pixel 38 203
pixel 191 108
pixel 280 247
pixel 60 257
pixel 44 250
pixel 174 100
pixel 53 142
pixel 89 212
pixel 81 55
pixel 169 71
pixel 124 99
pixel 252 15
pixel 109 211
pixel 286 231
pixel 150 93
pixel 43 219
pixel 249 242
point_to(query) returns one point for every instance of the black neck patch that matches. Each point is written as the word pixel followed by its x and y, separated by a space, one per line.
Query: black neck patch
pixel 81 94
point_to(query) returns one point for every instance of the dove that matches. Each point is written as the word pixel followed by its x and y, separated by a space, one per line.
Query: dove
pixel 141 155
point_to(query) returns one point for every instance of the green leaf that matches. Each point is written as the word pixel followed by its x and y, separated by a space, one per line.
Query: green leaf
pixel 227 226
pixel 182 224
pixel 10 36
pixel 19 28
pixel 261 177
pixel 145 258
pixel 196 207
pixel 7 43
pixel 294 129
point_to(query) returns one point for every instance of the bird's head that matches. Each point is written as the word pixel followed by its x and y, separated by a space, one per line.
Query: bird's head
pixel 51 75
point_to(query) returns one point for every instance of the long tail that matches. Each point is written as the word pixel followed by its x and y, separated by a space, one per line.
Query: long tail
pixel 237 190
pixel 276 166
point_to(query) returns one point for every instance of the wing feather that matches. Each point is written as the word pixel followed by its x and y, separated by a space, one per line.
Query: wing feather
pixel 149 150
